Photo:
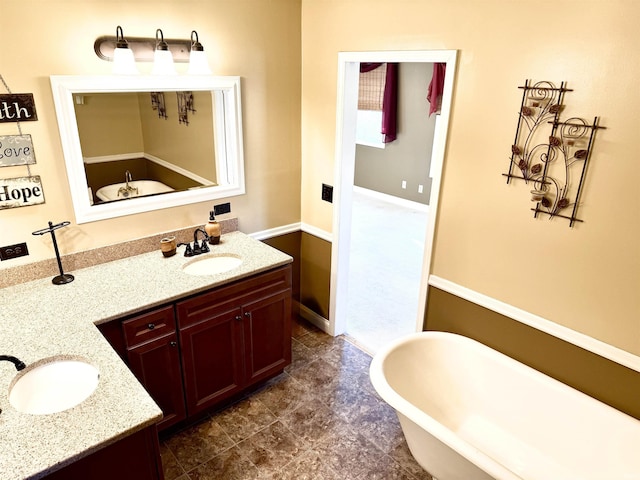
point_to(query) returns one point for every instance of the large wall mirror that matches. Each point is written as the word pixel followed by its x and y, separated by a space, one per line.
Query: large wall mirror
pixel 138 143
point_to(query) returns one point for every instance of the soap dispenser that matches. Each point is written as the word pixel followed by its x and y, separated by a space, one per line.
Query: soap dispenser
pixel 213 230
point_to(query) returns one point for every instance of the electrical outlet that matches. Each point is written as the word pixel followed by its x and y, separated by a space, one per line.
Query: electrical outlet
pixel 327 193
pixel 404 184
pixel 221 209
pixel 13 251
pixel 420 188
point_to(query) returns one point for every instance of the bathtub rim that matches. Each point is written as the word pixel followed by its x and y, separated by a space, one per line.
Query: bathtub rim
pixel 424 420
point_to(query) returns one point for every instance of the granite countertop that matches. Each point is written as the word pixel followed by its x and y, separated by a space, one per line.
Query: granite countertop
pixel 39 319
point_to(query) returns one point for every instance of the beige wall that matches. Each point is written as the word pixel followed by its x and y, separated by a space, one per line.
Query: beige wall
pixel 257 40
pixel 586 278
pixel 109 124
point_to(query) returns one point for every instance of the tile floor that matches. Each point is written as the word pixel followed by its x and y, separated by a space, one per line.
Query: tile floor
pixel 319 420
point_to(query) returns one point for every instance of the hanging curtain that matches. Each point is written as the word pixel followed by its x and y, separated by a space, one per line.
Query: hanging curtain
pixel 389 101
pixel 390 104
pixel 436 87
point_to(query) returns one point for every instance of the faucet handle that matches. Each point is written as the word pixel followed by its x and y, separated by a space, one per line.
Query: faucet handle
pixel 187 251
pixel 204 248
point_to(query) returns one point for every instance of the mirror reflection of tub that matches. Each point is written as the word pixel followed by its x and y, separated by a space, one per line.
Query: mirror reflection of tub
pixel 136 188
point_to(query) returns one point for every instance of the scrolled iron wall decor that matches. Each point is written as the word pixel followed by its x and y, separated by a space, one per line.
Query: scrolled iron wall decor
pixel 549 159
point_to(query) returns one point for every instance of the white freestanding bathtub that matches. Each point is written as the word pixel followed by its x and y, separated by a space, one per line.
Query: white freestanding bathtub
pixel 469 412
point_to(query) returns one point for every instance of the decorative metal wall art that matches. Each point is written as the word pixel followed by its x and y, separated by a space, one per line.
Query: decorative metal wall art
pixel 157 103
pixel 549 154
pixel 185 105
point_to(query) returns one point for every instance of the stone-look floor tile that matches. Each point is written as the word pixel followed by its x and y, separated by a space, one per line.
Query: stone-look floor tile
pixel 300 356
pixel 243 419
pixel 317 377
pixel 385 468
pixel 272 447
pixel 307 466
pixel 300 328
pixel 348 452
pixel 199 444
pixel 312 422
pixel 182 477
pixel 170 466
pixel 229 465
pixel 346 354
pixel 320 341
pixel 284 396
pixel 403 456
pixel 376 421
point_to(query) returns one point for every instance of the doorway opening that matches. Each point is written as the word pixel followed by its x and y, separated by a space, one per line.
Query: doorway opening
pixel 347 213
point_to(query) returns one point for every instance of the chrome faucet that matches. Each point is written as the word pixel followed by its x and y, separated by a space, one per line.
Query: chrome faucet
pixel 127 189
pixel 19 364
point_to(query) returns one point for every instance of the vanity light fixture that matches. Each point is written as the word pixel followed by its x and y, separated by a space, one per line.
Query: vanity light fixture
pixel 123 61
pixel 198 64
pixel 162 58
pixel 148 49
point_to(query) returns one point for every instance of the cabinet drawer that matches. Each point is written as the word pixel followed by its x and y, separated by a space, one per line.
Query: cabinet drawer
pixel 222 299
pixel 149 326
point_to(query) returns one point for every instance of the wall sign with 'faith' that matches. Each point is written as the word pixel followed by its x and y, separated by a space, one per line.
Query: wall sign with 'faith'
pixel 17 107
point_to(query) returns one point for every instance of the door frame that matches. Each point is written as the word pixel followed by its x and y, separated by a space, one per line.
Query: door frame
pixel 347 105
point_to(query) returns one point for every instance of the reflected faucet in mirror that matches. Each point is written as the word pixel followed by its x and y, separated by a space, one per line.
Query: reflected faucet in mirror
pixel 127 189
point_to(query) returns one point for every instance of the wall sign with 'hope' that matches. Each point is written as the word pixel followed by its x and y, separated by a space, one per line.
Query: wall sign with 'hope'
pixel 20 192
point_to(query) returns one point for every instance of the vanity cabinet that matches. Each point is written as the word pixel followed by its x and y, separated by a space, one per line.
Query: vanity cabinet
pixel 136 457
pixel 154 358
pixel 200 351
pixel 234 337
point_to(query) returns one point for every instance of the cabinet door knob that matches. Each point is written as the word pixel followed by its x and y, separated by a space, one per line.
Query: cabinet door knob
pixel 173 344
pixel 238 317
pixel 247 314
pixel 151 326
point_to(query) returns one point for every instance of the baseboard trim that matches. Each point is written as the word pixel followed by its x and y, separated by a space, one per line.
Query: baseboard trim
pixel 574 337
pixel 276 232
pixel 403 202
pixel 311 316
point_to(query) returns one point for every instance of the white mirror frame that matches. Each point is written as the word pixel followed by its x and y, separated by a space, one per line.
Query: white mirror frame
pixel 228 139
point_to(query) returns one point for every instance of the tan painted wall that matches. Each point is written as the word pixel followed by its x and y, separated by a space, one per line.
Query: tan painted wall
pixel 257 40
pixel 586 278
pixel 102 118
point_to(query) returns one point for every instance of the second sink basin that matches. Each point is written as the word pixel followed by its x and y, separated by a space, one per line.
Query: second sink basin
pixel 210 264
pixel 53 385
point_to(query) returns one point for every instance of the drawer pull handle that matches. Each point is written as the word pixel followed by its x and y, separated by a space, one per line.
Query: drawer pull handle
pixel 151 326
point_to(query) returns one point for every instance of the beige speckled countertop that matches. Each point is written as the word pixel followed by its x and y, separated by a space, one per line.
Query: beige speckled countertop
pixel 39 319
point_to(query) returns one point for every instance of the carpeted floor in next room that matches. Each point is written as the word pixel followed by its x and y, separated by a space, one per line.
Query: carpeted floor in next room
pixel 319 420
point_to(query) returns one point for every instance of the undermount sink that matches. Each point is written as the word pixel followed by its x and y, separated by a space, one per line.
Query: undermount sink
pixel 212 264
pixel 53 385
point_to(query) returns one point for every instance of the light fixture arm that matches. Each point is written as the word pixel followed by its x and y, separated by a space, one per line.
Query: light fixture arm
pixel 195 44
pixel 120 40
pixel 142 47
